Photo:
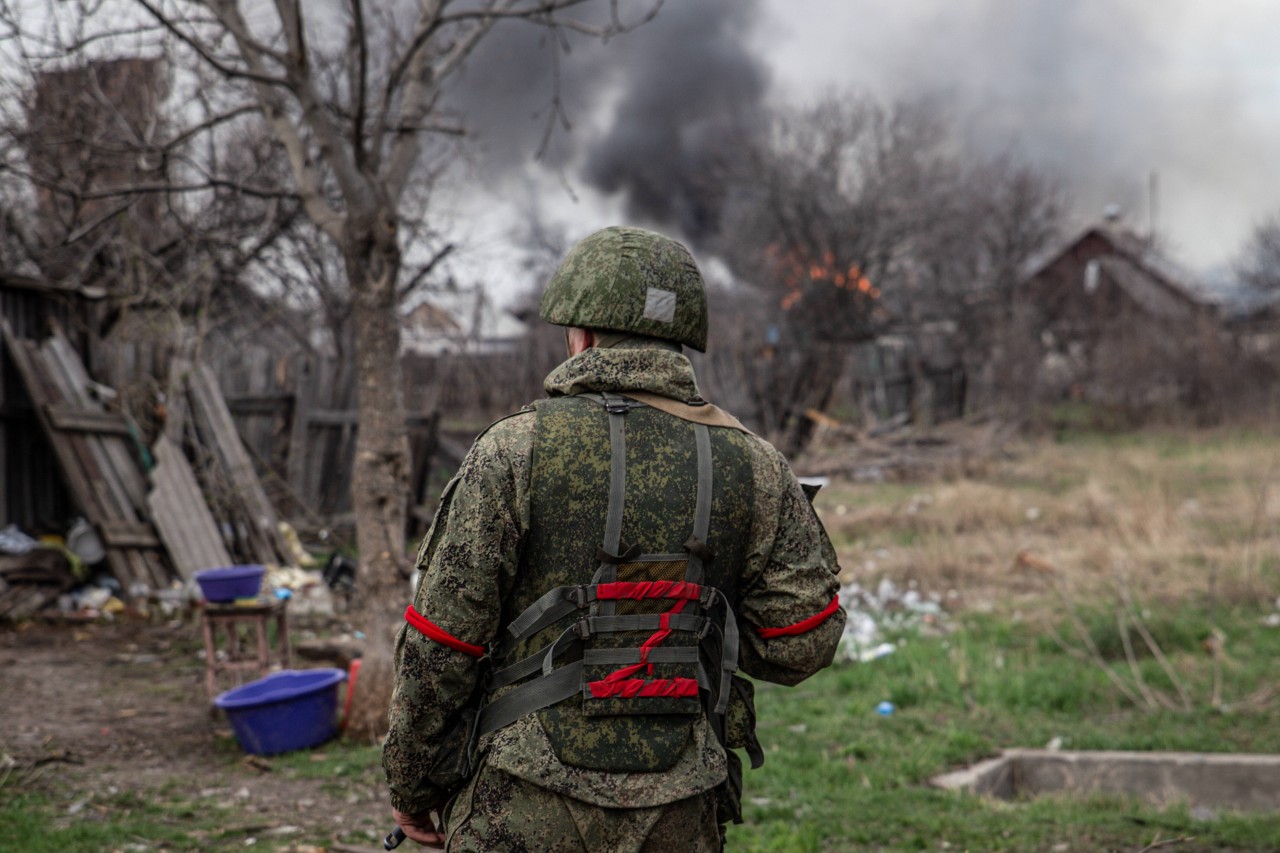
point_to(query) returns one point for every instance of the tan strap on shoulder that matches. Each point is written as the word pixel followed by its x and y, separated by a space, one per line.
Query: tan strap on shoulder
pixel 704 414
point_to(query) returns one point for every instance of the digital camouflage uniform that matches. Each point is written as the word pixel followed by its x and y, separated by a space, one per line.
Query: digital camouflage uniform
pixel 522 516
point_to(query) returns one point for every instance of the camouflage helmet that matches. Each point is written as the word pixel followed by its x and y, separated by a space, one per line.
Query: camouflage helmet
pixel 630 280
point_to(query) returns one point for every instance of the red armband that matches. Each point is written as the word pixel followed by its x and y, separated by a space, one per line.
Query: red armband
pixel 433 631
pixel 803 626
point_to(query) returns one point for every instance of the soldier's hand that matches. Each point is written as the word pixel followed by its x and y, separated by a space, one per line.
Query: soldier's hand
pixel 421 828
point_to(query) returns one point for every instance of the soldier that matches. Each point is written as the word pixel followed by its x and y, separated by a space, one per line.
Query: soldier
pixel 601 566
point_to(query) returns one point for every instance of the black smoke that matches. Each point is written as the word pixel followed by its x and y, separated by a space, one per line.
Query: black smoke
pixel 653 113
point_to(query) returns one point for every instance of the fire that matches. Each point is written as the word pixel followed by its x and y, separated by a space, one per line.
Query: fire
pixel 798 271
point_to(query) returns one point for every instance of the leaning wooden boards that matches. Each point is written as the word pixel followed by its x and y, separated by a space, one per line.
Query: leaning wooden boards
pixel 97 456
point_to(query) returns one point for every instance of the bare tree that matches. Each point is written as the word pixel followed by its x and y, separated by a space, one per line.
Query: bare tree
pixel 1259 262
pixel 851 217
pixel 351 94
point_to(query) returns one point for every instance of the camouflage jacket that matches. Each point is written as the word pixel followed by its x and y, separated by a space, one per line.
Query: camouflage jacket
pixel 469 562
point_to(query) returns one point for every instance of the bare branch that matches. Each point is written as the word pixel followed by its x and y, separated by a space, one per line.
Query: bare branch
pixel 161 188
pixel 1141 625
pixel 204 53
pixel 308 177
pixel 426 270
pixel 1153 698
pixel 209 124
pixel 544 13
pixel 80 233
pixel 418 98
pixel 360 82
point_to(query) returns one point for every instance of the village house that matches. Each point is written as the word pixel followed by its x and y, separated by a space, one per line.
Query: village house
pixel 1115 321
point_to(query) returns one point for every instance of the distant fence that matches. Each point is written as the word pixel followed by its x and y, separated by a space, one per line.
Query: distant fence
pixel 296 414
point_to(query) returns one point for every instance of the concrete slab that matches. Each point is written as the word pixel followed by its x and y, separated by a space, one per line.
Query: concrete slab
pixel 1215 780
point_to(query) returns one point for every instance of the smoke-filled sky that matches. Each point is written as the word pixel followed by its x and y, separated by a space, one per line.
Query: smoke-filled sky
pixel 1102 93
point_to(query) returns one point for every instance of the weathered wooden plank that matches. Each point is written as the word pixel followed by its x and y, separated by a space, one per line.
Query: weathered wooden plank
pixel 94 463
pixel 124 534
pixel 351 417
pixel 97 497
pixel 71 418
pixel 297 469
pixel 259 404
pixel 219 432
pixel 181 514
pixel 116 459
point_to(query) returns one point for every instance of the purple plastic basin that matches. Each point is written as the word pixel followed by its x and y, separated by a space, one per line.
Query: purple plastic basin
pixel 287 710
pixel 230 583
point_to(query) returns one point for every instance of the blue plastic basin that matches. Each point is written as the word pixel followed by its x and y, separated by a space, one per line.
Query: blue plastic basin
pixel 230 583
pixel 287 710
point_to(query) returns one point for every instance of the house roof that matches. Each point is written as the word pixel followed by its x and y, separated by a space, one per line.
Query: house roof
pixel 1140 255
pixel 1152 294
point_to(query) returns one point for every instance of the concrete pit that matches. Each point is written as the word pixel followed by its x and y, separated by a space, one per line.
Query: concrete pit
pixel 1199 779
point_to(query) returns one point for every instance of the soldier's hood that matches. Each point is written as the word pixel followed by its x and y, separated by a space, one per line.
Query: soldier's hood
pixel 625 368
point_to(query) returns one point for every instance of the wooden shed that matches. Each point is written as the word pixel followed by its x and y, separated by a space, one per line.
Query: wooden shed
pixel 1115 320
pixel 32 492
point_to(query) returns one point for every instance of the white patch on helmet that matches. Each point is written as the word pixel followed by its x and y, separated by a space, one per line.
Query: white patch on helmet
pixel 660 305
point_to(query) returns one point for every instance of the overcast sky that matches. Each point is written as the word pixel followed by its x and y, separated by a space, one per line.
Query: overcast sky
pixel 1102 93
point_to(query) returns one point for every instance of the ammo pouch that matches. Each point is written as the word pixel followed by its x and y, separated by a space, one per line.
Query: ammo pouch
pixel 729 794
pixel 455 757
pixel 740 720
pixel 739 732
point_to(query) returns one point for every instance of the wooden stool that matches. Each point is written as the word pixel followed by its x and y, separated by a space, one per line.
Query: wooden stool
pixel 231 617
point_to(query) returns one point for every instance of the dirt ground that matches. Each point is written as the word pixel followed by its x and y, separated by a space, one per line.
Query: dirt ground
pixel 96 712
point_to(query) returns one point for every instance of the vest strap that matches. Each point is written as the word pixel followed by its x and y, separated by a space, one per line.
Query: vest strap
pixel 527 698
pixel 662 654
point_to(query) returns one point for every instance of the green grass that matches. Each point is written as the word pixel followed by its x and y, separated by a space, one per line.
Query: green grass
pixel 839 776
pixel 37 815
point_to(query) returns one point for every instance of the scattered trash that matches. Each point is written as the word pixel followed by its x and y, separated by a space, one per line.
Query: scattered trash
pixel 297 555
pixel 885 708
pixel 340 573
pixel 83 541
pixel 888 608
pixel 877 652
pixel 14 541
pixel 284 830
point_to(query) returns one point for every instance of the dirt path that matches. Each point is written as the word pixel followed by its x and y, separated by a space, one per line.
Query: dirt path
pixel 104 710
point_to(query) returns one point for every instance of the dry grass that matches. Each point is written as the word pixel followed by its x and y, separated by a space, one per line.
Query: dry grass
pixel 1178 515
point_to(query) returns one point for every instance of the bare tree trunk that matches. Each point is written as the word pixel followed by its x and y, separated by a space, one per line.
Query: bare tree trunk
pixel 380 479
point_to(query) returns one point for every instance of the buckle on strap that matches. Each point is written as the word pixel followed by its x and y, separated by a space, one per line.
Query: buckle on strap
pixel 615 405
pixel 582 628
pixel 577 595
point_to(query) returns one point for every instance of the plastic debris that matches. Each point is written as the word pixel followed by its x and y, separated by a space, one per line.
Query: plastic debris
pixel 887 608
pixel 14 541
pixel 885 708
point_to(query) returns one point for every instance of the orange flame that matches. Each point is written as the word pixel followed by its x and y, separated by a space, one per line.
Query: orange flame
pixel 797 271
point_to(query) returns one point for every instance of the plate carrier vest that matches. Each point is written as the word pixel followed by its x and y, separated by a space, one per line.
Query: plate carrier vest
pixel 638 611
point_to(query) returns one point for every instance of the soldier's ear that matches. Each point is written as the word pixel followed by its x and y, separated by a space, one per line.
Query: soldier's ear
pixel 579 340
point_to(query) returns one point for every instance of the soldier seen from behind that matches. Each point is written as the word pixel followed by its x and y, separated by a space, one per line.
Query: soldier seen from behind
pixel 602 566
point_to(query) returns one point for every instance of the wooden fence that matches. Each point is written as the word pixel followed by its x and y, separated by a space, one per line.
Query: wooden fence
pixel 297 415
